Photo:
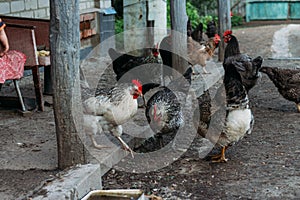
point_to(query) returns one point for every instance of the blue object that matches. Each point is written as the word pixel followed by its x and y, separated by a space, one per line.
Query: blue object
pixel 109 11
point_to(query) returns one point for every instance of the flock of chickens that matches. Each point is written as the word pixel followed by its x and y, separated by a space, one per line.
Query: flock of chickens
pixel 112 107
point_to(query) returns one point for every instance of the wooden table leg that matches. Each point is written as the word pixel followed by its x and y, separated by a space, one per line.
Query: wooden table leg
pixel 38 88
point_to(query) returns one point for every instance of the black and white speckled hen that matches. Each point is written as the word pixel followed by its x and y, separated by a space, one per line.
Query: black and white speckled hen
pixel 239 119
pixel 164 110
pixel 249 68
pixel 287 82
pixel 112 107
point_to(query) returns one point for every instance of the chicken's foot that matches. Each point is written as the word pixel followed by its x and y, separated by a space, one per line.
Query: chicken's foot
pixel 205 71
pixel 220 157
pixel 125 146
pixel 96 145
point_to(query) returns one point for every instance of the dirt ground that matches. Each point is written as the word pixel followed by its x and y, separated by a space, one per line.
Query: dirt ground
pixel 264 165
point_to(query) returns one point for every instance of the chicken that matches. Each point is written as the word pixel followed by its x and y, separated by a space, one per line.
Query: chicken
pixel 199 54
pixel 165 49
pixel 204 113
pixel 123 63
pixel 239 119
pixel 112 108
pixel 189 28
pixel 164 109
pixel 163 112
pixel 248 67
pixel 197 33
pixel 287 82
pixel 211 30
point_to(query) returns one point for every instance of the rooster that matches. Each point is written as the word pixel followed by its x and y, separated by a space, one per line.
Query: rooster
pixel 123 63
pixel 113 107
pixel 239 119
pixel 248 67
pixel 287 82
pixel 200 53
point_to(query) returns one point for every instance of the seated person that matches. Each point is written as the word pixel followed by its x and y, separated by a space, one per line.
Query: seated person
pixel 3 39
pixel 11 61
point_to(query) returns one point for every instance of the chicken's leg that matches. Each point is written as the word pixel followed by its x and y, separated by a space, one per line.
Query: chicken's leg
pixel 220 157
pixel 298 107
pixel 95 144
pixel 205 71
pixel 125 146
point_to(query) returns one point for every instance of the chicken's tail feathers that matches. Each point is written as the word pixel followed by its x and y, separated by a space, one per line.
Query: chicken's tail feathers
pixel 113 54
pixel 258 60
pixel 188 74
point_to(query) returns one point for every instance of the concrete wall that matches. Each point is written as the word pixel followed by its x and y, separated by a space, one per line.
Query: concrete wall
pixel 40 8
pixel 136 17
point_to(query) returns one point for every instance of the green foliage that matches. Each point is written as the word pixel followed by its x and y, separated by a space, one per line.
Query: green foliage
pixel 236 20
pixel 119 29
pixel 119 25
pixel 193 14
pixel 205 7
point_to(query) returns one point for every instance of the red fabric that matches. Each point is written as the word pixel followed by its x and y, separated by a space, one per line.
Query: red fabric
pixel 12 65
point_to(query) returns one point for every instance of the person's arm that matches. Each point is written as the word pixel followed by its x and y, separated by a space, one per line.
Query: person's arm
pixel 3 39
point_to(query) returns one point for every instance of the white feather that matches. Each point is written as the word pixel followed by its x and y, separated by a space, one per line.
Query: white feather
pixel 238 123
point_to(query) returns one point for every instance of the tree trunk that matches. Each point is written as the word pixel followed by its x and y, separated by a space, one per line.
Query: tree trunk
pixel 224 23
pixel 65 49
pixel 179 35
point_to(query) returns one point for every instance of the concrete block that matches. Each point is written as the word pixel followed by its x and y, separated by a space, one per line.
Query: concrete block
pixel 75 184
pixel 40 13
pixel 17 6
pixel 48 13
pixel 107 4
pixel 28 14
pixel 4 8
pixel 82 6
pixel 43 3
pixel 30 4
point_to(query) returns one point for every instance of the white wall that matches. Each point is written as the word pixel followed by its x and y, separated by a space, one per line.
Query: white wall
pixel 40 8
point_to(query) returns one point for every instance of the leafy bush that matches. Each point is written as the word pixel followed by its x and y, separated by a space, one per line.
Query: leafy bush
pixel 236 20
pixel 119 25
pixel 193 14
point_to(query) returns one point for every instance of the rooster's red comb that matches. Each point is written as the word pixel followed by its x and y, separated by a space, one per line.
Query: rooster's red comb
pixel 138 84
pixel 217 37
pixel 227 32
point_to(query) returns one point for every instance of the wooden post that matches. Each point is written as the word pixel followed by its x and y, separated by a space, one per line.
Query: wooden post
pixel 179 20
pixel 65 48
pixel 224 21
